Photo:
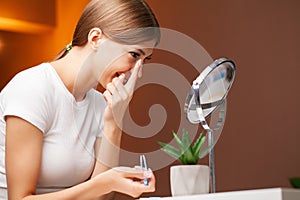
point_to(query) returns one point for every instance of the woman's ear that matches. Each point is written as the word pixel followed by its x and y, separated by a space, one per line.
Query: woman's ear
pixel 95 38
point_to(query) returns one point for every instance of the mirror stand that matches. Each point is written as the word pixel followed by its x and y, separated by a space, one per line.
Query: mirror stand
pixel 211 140
pixel 212 162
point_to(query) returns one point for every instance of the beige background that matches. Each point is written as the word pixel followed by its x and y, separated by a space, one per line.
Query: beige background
pixel 259 147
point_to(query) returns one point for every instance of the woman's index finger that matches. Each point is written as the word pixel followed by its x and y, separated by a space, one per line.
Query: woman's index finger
pixel 134 75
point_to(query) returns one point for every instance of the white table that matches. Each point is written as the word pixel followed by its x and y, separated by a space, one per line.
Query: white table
pixel 260 194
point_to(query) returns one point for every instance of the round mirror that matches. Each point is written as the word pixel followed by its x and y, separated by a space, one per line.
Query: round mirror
pixel 209 90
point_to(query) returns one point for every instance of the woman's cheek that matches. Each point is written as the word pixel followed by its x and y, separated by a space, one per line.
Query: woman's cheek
pixel 104 80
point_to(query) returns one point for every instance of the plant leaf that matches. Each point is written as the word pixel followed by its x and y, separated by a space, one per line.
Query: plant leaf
pixel 198 145
pixel 182 160
pixel 197 141
pixel 169 149
pixel 204 152
pixel 186 140
pixel 179 142
pixel 188 152
pixel 295 182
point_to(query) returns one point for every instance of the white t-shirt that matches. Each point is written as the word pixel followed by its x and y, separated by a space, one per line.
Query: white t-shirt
pixel 69 128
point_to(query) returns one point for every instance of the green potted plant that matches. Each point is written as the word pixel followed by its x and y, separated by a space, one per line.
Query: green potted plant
pixel 295 182
pixel 188 178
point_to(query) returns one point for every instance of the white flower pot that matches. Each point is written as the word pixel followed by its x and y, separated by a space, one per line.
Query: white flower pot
pixel 189 179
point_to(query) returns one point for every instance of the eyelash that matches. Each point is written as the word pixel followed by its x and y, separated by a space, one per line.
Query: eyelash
pixel 134 54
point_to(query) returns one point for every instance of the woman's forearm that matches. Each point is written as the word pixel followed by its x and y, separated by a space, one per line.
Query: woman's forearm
pixel 88 190
pixel 109 150
pixel 113 133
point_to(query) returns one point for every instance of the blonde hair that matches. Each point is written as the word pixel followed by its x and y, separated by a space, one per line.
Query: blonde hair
pixel 123 21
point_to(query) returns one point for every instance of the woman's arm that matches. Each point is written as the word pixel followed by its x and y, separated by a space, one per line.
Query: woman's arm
pixel 107 149
pixel 117 96
pixel 106 156
pixel 23 159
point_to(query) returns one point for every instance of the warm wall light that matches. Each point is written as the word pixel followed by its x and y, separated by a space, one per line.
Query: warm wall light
pixel 1 45
pixel 15 25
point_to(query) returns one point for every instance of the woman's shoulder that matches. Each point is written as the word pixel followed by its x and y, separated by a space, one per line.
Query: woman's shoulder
pixel 28 96
pixel 33 78
pixel 31 74
pixel 30 83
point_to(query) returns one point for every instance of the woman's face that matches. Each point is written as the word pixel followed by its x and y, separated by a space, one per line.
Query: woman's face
pixel 116 59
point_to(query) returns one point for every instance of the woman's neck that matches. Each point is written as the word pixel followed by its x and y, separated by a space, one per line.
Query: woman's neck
pixel 75 73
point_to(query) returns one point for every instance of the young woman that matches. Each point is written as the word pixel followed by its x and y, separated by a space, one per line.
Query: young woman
pixel 59 137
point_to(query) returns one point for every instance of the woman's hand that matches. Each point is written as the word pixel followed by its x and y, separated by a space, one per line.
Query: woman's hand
pixel 129 181
pixel 118 95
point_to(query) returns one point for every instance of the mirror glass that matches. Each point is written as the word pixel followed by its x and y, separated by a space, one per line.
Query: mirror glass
pixel 209 90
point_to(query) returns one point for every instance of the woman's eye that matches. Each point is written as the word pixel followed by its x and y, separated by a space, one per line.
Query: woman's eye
pixel 134 54
pixel 147 59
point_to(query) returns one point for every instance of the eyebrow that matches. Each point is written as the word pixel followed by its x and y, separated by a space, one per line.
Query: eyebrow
pixel 141 51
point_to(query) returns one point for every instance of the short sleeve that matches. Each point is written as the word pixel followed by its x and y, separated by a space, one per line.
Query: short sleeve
pixel 25 97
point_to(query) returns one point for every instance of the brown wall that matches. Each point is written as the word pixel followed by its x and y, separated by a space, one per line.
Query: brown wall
pixel 259 146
